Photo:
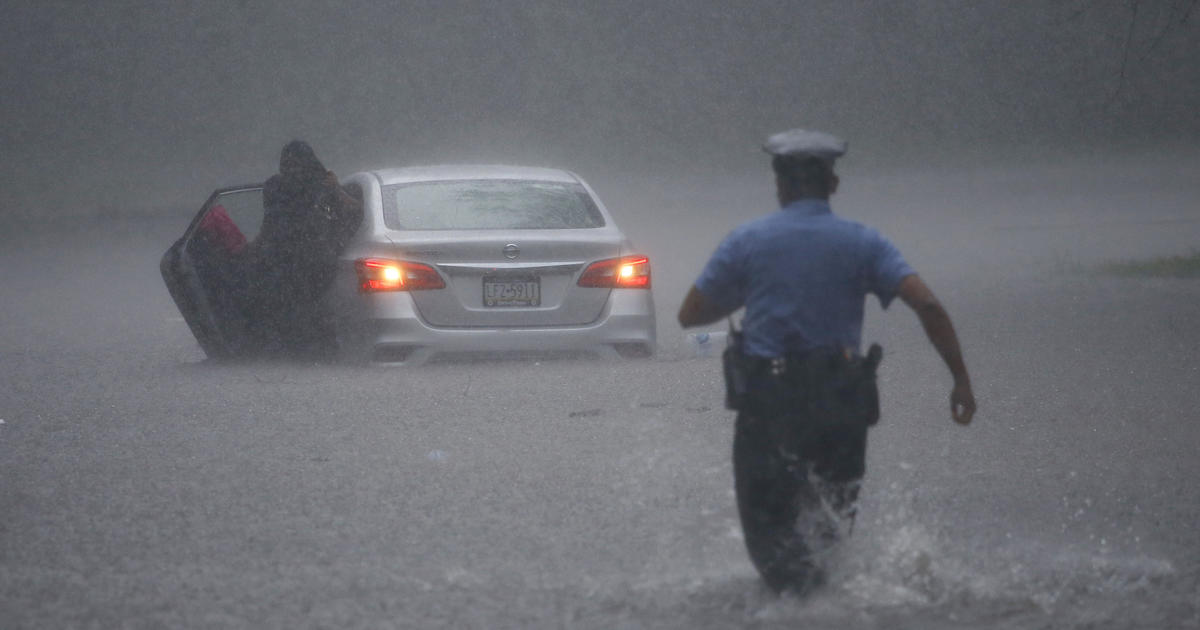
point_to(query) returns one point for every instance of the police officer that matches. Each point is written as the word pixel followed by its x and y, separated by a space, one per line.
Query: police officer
pixel 807 395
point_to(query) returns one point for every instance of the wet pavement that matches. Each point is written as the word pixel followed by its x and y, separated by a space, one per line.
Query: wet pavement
pixel 145 487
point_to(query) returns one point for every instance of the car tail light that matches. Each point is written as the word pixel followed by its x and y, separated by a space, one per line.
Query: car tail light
pixel 381 274
pixel 628 272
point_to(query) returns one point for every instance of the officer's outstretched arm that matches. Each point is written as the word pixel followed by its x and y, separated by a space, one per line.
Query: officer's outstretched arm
pixel 698 310
pixel 941 333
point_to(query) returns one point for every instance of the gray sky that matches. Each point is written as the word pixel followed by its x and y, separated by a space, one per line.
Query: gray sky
pixel 160 102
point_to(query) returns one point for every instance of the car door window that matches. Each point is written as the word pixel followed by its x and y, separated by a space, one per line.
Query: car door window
pixel 229 221
pixel 244 208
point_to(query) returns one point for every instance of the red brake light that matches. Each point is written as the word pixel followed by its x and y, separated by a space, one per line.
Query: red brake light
pixel 380 274
pixel 629 272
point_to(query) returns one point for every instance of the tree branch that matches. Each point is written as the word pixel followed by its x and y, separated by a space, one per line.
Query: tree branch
pixel 1133 6
pixel 1184 10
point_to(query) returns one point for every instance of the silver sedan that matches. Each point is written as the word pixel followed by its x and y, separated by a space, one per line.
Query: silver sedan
pixel 451 260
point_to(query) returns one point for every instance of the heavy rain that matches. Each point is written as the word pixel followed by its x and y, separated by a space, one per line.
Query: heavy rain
pixel 1036 162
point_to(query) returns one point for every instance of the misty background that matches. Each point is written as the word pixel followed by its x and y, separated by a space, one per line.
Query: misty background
pixel 1008 148
pixel 143 107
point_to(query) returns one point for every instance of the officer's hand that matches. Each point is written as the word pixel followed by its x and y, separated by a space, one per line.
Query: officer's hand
pixel 962 403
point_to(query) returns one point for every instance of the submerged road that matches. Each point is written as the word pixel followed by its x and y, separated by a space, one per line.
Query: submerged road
pixel 142 487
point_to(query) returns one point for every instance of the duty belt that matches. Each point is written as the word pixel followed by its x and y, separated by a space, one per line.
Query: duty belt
pixel 832 384
pixel 778 366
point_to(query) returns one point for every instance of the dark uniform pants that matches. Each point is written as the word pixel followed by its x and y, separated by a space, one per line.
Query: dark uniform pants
pixel 798 461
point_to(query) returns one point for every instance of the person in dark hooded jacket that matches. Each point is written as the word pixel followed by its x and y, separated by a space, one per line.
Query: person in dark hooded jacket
pixel 308 220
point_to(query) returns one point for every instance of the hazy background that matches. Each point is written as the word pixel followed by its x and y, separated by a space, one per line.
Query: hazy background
pixel 1005 147
pixel 130 107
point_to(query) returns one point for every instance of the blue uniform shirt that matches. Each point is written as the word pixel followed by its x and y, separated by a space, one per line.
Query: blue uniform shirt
pixel 803 275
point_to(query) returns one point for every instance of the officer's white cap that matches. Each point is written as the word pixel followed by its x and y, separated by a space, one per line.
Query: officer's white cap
pixel 803 142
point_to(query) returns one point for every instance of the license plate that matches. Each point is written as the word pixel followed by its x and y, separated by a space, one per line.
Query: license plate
pixel 512 291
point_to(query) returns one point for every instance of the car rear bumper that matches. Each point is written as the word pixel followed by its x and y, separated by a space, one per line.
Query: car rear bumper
pixel 387 328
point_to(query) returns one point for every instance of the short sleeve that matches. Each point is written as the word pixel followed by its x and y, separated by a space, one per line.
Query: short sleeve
pixel 722 280
pixel 887 269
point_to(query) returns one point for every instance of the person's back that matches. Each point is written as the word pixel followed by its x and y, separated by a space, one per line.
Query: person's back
pixel 803 274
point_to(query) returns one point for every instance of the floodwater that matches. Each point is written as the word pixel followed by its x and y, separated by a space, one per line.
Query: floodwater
pixel 143 487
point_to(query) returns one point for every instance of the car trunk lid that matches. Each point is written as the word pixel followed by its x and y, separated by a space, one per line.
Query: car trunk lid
pixel 518 278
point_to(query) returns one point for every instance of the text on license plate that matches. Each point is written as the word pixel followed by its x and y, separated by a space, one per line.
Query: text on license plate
pixel 512 291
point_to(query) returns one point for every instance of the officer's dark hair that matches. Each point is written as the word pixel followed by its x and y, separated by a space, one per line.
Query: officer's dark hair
pixel 805 175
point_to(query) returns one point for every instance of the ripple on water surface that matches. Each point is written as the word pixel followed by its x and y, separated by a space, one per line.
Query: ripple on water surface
pixel 899 571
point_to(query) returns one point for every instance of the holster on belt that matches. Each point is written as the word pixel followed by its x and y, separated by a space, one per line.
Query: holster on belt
pixel 825 385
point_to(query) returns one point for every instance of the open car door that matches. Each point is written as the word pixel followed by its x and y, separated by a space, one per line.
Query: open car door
pixel 208 270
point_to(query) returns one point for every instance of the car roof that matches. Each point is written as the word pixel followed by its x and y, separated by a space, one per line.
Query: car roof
pixel 471 171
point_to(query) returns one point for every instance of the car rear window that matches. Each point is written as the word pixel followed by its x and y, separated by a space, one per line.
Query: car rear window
pixel 489 204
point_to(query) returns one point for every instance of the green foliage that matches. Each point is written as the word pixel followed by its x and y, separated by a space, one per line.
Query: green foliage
pixel 1166 267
